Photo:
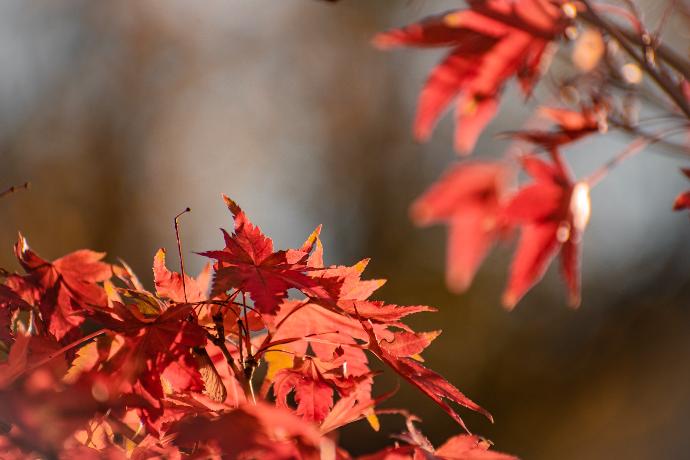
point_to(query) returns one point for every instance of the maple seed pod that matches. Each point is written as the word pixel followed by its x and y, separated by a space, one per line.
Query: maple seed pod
pixel 580 206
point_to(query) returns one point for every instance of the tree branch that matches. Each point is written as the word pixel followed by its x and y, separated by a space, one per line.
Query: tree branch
pixel 661 80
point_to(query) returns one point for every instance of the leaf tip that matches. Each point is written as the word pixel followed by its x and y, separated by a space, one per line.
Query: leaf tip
pixel 231 204
pixel 383 41
pixel 509 301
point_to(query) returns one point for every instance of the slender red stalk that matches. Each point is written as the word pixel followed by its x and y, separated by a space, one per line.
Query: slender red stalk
pixel 179 251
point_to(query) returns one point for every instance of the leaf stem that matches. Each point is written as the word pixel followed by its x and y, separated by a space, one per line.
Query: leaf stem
pixel 219 341
pixel 634 147
pixel 14 188
pixel 62 350
pixel 179 250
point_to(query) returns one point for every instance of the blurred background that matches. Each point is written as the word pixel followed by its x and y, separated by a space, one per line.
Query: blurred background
pixel 121 114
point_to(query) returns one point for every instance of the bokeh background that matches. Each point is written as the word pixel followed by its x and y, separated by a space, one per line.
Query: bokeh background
pixel 121 114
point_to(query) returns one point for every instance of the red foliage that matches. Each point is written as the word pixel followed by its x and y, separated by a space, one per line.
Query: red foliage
pixel 97 366
pixel 548 214
pixel 476 201
pixel 469 198
pixel 173 372
pixel 683 200
pixel 490 43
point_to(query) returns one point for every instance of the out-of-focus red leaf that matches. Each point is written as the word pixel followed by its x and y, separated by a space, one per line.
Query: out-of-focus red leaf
pixel 682 201
pixel 468 198
pixel 490 43
pixel 251 431
pixel 571 126
pixel 469 447
pixel 10 302
pixel 16 361
pixel 461 447
pixel 552 213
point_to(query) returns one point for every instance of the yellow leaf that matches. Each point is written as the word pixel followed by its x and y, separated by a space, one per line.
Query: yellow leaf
pixel 277 359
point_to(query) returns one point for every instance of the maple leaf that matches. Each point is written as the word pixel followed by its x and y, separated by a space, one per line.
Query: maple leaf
pixel 66 286
pixel 682 201
pixel 342 282
pixel 429 382
pixel 10 302
pixel 354 406
pixel 169 284
pixel 313 393
pixel 406 344
pixel 152 343
pixel 460 447
pixel 552 213
pixel 314 382
pixel 330 330
pixel 250 431
pixel 490 43
pixel 152 359
pixel 248 263
pixel 469 447
pixel 571 126
pixel 16 361
pixel 468 198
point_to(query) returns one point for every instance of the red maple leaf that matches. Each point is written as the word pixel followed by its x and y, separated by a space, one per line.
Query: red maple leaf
pixel 16 361
pixel 461 447
pixel 169 284
pixel 66 286
pixel 248 263
pixel 151 345
pixel 250 431
pixel 490 43
pixel 429 382
pixel 469 199
pixel 329 329
pixel 313 391
pixel 552 213
pixel 682 201
pixel 469 447
pixel 571 126
pixel 11 300
pixel 406 344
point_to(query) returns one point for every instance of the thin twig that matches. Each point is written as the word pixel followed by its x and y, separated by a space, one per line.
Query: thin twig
pixel 663 20
pixel 634 147
pixel 662 80
pixel 14 188
pixel 219 341
pixel 61 351
pixel 673 148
